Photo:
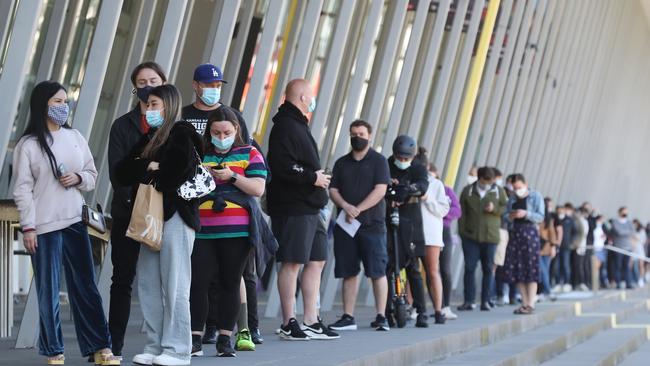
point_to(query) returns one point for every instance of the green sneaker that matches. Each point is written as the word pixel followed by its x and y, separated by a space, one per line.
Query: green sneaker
pixel 244 341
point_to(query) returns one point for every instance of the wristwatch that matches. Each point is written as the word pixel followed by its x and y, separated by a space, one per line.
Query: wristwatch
pixel 233 179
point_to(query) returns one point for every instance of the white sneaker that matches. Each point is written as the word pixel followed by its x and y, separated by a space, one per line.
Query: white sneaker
pixel 144 359
pixel 556 289
pixel 583 287
pixel 567 288
pixel 449 315
pixel 167 360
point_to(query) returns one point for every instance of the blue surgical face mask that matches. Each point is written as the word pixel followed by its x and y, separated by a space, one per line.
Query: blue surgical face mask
pixel 312 105
pixel 224 144
pixel 211 96
pixel 402 165
pixel 154 118
pixel 58 113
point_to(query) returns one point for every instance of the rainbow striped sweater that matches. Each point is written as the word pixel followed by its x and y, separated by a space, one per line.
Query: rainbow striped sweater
pixel 233 221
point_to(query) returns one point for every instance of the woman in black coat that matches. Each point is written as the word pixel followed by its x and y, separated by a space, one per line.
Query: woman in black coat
pixel 166 157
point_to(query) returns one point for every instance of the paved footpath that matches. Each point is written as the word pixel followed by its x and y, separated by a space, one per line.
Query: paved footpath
pixel 353 345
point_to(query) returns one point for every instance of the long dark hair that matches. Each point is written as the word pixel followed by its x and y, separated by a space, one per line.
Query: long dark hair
pixel 37 124
pixel 548 216
pixel 218 115
pixel 171 99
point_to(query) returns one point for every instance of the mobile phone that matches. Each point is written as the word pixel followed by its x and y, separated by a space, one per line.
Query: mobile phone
pixel 217 167
pixel 60 170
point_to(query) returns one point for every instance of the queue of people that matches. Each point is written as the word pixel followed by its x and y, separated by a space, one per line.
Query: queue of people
pixel 198 285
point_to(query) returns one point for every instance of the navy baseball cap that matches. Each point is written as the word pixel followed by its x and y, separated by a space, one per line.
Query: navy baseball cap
pixel 208 73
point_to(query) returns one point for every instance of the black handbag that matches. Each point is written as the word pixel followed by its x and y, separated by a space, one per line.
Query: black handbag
pixel 94 218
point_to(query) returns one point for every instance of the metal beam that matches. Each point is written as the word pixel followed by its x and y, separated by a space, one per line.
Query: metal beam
pixel 362 64
pixel 407 76
pixel 439 96
pixel 16 68
pixel 331 73
pixel 422 87
pixel 485 92
pixel 170 33
pixel 100 51
pixel 255 97
pixel 442 146
pixel 382 69
pixel 224 22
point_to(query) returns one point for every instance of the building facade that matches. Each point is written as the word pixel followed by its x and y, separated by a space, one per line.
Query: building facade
pixel 555 89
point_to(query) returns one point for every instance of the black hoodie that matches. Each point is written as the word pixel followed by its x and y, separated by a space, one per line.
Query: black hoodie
pixel 293 160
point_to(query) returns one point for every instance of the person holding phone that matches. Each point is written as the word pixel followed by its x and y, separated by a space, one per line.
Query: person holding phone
pixel 225 242
pixel 52 166
pixel 525 211
pixel 482 204
pixel 297 193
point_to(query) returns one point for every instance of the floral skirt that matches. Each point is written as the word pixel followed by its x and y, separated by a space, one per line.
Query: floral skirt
pixel 522 254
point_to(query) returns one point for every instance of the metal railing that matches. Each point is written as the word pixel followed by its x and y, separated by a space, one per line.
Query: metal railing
pixel 595 275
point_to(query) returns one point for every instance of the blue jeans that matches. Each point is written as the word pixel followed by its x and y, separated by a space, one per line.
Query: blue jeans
pixel 622 270
pixel 544 273
pixel 70 246
pixel 563 268
pixel 474 251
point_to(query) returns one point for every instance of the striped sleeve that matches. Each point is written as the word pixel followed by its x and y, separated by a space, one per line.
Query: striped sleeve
pixel 256 167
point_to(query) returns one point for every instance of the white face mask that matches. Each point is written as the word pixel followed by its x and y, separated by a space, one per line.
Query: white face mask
pixel 499 182
pixel 471 179
pixel 521 192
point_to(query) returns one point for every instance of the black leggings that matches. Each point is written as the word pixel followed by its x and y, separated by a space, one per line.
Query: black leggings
pixel 225 258
pixel 445 266
pixel 250 280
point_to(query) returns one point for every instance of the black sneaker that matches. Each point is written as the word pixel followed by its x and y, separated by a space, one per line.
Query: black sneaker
pixel 292 331
pixel 380 323
pixel 345 323
pixel 466 307
pixel 421 321
pixel 224 348
pixel 197 347
pixel 257 336
pixel 210 335
pixel 440 317
pixel 319 331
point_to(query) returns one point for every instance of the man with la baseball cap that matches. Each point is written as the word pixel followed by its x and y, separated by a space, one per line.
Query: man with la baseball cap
pixel 207 83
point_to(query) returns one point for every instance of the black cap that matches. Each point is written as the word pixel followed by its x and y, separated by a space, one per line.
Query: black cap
pixel 404 146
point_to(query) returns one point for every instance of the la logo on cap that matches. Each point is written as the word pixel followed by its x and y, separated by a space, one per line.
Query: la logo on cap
pixel 215 73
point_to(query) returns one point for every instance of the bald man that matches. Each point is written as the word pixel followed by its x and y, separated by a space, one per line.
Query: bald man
pixel 296 194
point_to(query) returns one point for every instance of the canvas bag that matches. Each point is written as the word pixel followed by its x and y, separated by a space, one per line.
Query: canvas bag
pixel 147 217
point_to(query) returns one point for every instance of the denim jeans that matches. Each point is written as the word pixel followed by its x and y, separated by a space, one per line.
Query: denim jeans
pixel 70 246
pixel 474 251
pixel 622 270
pixel 563 273
pixel 544 273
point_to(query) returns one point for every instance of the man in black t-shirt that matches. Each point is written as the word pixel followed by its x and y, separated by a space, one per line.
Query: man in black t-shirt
pixel 358 186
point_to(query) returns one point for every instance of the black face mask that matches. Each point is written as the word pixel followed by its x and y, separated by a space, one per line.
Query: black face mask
pixel 143 93
pixel 358 143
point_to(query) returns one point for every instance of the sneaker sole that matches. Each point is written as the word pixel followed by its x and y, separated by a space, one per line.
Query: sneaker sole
pixel 347 327
pixel 197 354
pixel 382 329
pixel 290 338
pixel 245 348
pixel 226 355
pixel 323 337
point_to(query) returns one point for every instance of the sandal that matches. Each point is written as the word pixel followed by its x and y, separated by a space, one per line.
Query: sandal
pixel 107 358
pixel 524 310
pixel 56 360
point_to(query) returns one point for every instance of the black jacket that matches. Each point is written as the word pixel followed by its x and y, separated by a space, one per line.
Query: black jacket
pixel 414 181
pixel 261 237
pixel 293 161
pixel 125 133
pixel 178 163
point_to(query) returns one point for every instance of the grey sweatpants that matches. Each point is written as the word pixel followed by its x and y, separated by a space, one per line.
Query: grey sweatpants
pixel 164 280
